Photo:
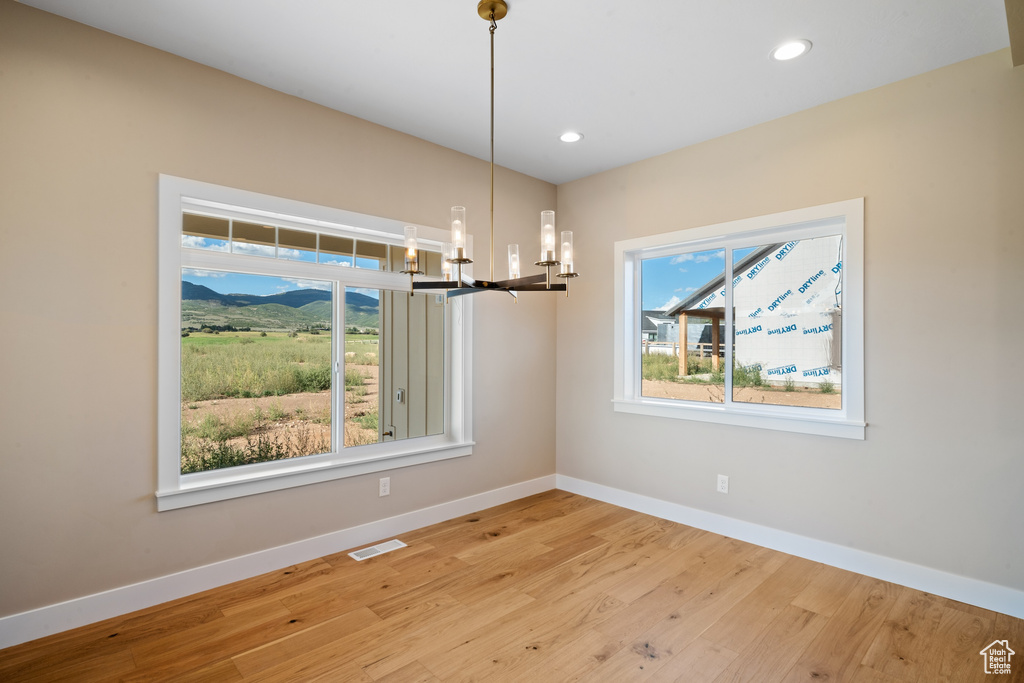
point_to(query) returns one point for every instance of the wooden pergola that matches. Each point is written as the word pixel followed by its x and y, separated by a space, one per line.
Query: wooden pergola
pixel 715 315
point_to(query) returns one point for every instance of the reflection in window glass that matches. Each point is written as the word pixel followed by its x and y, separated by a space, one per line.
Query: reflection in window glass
pixel 256 358
pixel 682 326
pixel 296 245
pixel 371 255
pixel 253 240
pixel 204 232
pixel 394 366
pixel 336 251
pixel 787 332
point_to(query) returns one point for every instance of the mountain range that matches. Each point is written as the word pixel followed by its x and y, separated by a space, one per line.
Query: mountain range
pixel 295 309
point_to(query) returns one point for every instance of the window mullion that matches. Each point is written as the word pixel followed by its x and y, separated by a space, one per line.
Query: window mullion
pixel 338 378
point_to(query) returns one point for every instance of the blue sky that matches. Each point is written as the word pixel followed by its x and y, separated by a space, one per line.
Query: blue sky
pixel 671 279
pixel 260 285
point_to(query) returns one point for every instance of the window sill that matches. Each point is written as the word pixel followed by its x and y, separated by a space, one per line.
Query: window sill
pixel 247 480
pixel 737 416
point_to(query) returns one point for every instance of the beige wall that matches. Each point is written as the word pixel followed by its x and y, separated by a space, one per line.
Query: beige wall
pixel 938 481
pixel 87 121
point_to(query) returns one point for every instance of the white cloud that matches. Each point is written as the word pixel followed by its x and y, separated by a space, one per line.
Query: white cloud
pixel 691 289
pixel 194 242
pixel 306 284
pixel 192 272
pixel 682 258
pixel 669 304
pixel 254 249
pixel 372 293
pixel 704 258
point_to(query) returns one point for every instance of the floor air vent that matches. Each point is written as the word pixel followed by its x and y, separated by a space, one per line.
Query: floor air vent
pixel 379 549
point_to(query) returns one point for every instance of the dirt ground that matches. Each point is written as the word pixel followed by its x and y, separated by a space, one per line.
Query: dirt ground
pixel 715 393
pixel 300 414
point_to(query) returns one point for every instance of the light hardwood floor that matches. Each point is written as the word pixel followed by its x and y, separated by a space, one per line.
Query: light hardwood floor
pixel 549 588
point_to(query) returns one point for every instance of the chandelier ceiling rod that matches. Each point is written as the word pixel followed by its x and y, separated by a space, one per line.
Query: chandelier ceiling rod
pixel 494 26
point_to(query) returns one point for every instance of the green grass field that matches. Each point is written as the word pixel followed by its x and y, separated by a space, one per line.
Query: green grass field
pixel 253 365
pixel 246 365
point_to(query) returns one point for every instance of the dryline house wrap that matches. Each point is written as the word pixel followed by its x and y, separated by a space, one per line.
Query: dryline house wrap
pixel 787 300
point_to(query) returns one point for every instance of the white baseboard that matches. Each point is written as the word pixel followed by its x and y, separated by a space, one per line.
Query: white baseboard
pixel 26 626
pixel 20 628
pixel 972 591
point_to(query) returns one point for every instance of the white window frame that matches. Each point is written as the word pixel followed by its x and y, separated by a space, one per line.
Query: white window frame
pixel 177 490
pixel 845 218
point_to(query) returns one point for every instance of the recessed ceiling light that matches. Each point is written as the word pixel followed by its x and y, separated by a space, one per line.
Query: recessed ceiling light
pixel 790 50
pixel 571 136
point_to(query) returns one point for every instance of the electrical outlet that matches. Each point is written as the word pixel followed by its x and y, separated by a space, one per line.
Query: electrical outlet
pixel 385 487
pixel 723 484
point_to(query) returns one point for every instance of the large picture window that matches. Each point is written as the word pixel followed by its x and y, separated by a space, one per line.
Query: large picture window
pixel 756 322
pixel 293 351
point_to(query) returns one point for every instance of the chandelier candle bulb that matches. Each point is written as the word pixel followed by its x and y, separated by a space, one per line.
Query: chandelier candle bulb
pixel 547 237
pixel 458 232
pixel 411 251
pixel 567 251
pixel 446 266
pixel 513 261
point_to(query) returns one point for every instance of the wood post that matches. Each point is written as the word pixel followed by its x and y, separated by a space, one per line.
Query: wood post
pixel 683 345
pixel 716 344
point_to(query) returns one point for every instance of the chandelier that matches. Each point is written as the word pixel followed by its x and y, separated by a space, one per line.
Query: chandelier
pixel 552 254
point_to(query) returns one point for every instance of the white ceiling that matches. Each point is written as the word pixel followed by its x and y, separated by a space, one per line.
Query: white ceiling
pixel 636 77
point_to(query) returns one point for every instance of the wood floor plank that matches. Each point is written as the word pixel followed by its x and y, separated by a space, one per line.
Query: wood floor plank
pixel 410 673
pixel 743 623
pixel 701 660
pixel 101 667
pixel 652 649
pixel 223 671
pixel 200 646
pixel 773 654
pixel 442 635
pixel 554 587
pixel 957 658
pixel 349 650
pixel 840 647
pixel 511 569
pixel 297 644
pixel 678 559
pixel 524 635
pixel 727 557
pixel 574 659
pixel 107 638
pixel 595 571
pixel 906 641
pixel 827 590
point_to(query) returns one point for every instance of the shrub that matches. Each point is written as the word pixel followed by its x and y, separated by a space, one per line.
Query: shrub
pixel 659 367
pixel 368 421
pixel 353 378
pixel 747 376
pixel 827 387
